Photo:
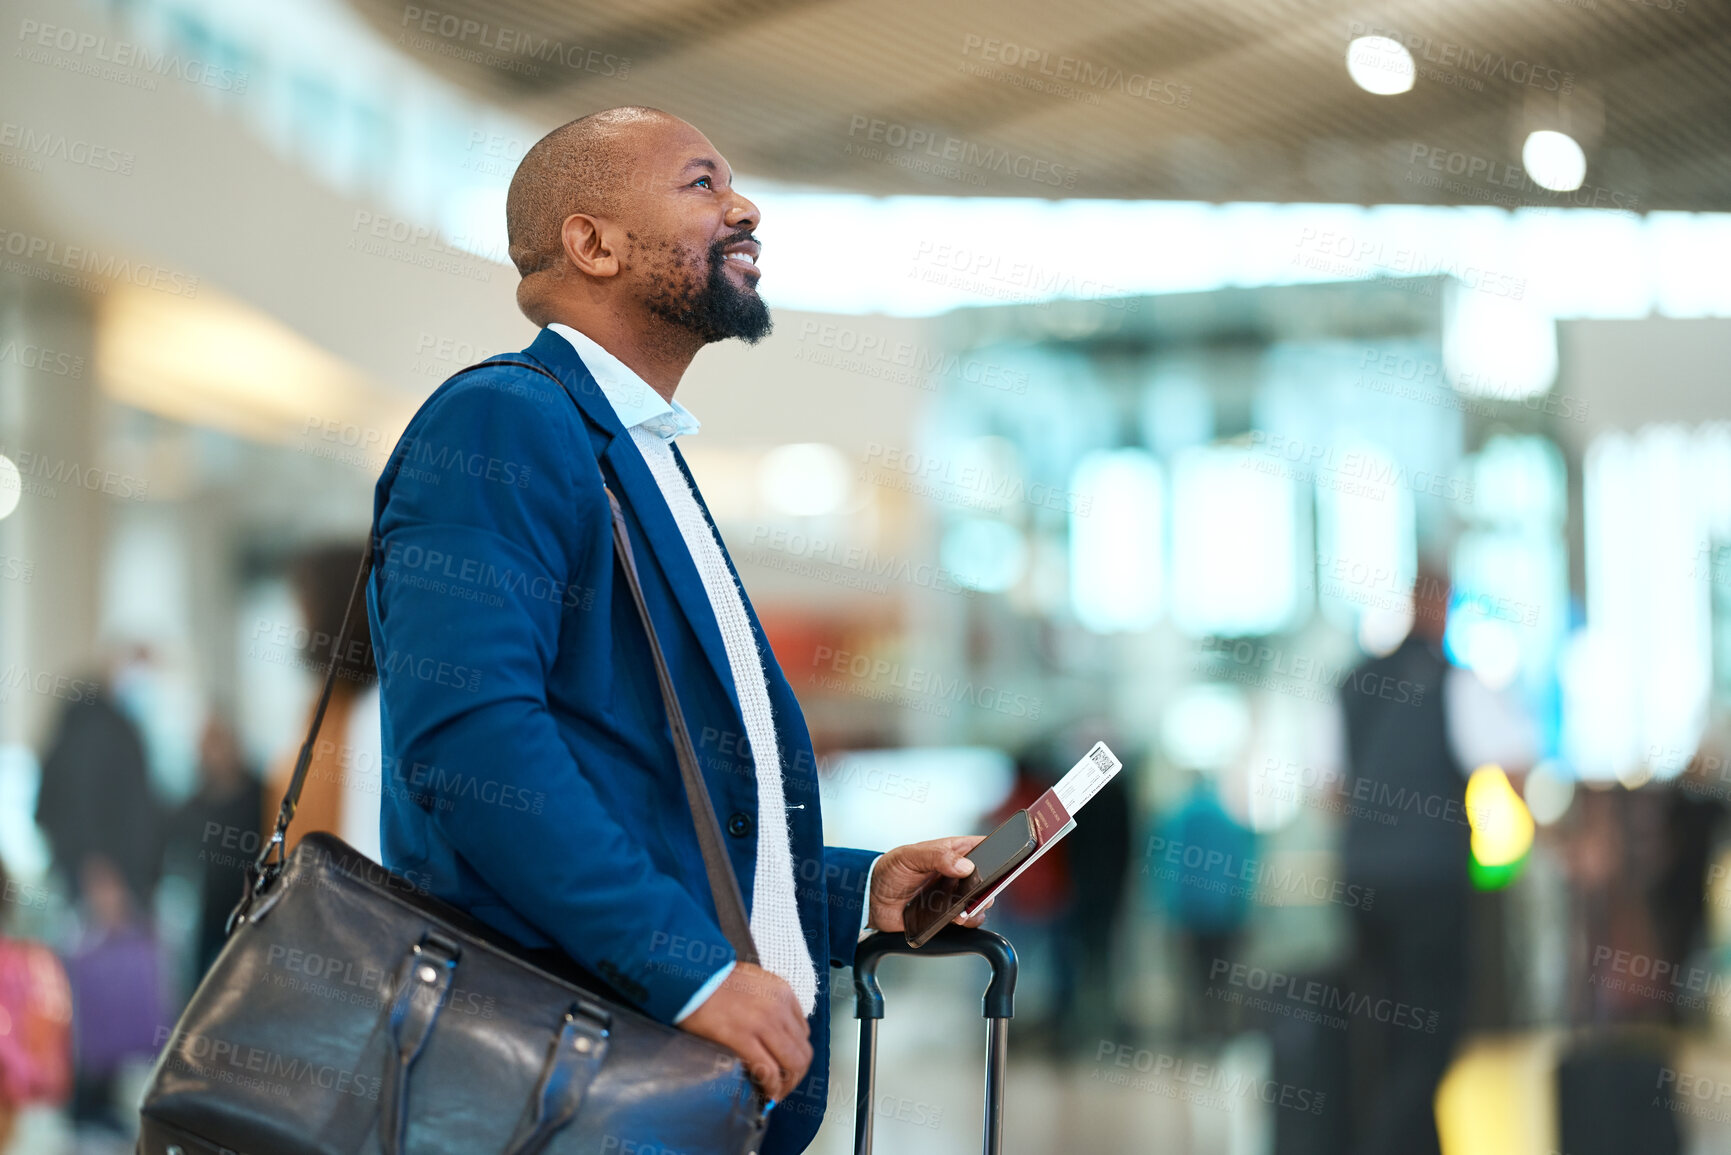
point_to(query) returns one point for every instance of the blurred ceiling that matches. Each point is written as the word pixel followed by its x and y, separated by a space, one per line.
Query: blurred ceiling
pixel 1175 99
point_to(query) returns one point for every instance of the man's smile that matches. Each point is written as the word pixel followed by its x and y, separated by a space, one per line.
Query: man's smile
pixel 743 256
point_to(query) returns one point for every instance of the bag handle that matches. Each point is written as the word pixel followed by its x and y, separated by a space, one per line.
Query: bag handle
pixel 723 883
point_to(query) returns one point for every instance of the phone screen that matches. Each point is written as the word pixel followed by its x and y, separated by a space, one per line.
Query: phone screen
pixel 942 898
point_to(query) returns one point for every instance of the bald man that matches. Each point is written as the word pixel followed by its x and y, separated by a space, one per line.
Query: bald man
pixel 535 782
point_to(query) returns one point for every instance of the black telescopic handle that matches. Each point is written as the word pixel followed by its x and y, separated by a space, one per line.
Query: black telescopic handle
pixel 1000 997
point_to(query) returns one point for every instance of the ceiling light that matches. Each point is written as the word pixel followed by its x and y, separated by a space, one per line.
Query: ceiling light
pixel 1506 349
pixel 1380 65
pixel 1554 160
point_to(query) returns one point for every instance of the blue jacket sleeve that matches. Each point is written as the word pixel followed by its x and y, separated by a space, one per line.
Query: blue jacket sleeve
pixel 489 475
pixel 845 872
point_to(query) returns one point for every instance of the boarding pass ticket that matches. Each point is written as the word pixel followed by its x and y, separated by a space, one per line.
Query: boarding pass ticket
pixel 1087 777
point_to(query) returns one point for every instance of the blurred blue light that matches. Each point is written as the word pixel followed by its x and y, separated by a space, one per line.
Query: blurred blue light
pixel 1117 554
pixel 984 554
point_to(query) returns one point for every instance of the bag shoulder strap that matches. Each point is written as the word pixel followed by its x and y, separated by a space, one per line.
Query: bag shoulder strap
pixel 723 883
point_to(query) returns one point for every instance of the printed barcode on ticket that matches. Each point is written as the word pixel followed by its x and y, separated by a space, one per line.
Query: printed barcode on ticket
pixel 1087 777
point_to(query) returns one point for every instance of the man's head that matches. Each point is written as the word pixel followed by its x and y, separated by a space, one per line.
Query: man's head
pixel 634 210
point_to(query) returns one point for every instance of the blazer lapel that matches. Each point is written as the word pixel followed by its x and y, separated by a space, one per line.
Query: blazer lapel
pixel 642 496
pixel 790 724
pixel 641 499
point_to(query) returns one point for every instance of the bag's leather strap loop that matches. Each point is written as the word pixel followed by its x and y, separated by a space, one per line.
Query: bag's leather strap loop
pixel 573 1061
pixel 423 985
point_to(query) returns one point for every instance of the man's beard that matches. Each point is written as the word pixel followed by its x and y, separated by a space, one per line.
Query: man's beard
pixel 714 307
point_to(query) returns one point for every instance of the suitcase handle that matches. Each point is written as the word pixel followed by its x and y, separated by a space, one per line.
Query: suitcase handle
pixel 1000 998
pixel 997 1007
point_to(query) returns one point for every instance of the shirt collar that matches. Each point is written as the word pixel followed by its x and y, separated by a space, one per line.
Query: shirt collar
pixel 633 401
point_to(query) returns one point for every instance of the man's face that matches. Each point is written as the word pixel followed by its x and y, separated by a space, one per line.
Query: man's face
pixel 690 249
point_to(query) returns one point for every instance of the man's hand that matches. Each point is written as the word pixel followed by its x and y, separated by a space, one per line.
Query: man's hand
pixel 902 871
pixel 756 1015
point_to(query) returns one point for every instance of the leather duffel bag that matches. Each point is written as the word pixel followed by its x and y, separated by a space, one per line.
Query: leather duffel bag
pixel 352 1013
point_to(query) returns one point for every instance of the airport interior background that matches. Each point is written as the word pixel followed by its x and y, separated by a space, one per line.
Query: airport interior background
pixel 1263 388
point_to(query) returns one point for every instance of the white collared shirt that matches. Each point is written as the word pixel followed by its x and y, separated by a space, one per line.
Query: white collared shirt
pixel 633 401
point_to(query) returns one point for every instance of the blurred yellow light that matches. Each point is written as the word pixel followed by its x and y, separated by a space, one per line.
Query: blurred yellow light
pixel 216 362
pixel 1499 1096
pixel 1502 825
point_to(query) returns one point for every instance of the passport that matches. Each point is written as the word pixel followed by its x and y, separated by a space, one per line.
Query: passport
pixel 1054 812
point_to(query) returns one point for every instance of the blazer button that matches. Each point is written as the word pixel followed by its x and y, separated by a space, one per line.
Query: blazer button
pixel 739 824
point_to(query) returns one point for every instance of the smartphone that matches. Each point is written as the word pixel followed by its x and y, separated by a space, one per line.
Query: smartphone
pixel 941 899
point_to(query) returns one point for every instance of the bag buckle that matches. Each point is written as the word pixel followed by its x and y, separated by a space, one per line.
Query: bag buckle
pixel 434 949
pixel 259 876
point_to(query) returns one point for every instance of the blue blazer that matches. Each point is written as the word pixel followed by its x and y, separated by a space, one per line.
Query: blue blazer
pixel 531 778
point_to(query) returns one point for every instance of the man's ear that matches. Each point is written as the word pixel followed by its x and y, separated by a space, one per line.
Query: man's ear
pixel 587 245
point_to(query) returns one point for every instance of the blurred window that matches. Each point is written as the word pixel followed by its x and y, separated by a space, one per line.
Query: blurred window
pixel 1235 543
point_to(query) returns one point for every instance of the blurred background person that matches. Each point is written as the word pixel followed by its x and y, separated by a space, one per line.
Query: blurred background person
pixel 216 835
pixel 1203 865
pixel 1067 909
pixel 1690 837
pixel 1415 726
pixel 1411 944
pixel 95 802
pixel 119 1008
pixel 36 1013
pixel 1644 865
pixel 1090 1004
